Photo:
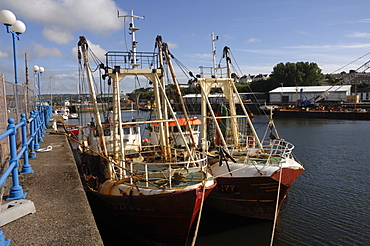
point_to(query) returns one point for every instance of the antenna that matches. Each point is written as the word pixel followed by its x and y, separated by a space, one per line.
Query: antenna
pixel 133 29
pixel 214 53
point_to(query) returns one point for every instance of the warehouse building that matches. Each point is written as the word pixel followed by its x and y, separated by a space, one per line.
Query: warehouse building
pixel 306 95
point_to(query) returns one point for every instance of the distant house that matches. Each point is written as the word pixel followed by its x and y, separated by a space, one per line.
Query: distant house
pixel 250 78
pixel 353 77
pixel 308 94
pixel 213 98
pixel 364 94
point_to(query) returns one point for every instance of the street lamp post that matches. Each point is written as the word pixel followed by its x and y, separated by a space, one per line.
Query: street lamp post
pixel 38 71
pixel 16 28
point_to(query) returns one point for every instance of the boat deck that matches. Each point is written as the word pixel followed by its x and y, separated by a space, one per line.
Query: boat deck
pixel 63 215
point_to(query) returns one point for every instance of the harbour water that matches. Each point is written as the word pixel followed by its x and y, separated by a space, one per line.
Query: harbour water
pixel 328 204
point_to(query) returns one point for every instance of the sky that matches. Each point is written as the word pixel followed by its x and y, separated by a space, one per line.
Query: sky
pixel 260 34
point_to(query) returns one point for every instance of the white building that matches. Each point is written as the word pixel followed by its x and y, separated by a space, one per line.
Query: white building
pixel 213 98
pixel 308 94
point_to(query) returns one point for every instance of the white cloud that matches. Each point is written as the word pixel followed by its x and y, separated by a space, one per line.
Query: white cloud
pixel 57 35
pixel 62 17
pixel 200 56
pixel 3 54
pixel 227 37
pixel 330 47
pixel 172 45
pixel 304 33
pixel 359 35
pixel 253 40
pixel 95 48
pixel 41 52
pixel 364 21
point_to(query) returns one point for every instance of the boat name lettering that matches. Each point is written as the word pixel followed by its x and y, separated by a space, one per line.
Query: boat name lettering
pixel 125 207
pixel 226 188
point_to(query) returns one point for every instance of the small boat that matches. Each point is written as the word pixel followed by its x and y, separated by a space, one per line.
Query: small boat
pixel 73 116
pixel 61 114
pixel 146 185
pixel 72 130
pixel 253 174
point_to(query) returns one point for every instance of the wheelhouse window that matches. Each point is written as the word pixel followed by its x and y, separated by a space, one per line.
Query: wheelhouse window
pixel 126 130
pixel 135 130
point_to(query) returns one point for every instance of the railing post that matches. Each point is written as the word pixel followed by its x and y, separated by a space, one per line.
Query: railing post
pixel 3 241
pixel 43 119
pixel 39 126
pixel 26 168
pixel 35 128
pixel 32 132
pixel 50 112
pixel 16 191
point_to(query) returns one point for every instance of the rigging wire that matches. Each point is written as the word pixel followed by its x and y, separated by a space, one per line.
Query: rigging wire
pixel 124 32
pixel 350 63
pixel 239 71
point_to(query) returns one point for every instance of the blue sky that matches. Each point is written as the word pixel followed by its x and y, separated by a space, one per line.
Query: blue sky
pixel 261 34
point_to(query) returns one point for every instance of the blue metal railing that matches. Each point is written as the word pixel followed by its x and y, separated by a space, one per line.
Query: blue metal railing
pixel 30 142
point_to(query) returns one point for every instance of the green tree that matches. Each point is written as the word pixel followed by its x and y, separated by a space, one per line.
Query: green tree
pixel 142 93
pixel 300 73
pixel 290 74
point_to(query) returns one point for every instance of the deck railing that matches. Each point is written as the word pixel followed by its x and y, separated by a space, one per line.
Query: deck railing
pixel 31 133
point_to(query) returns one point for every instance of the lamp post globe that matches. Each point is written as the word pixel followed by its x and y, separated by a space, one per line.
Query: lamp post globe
pixel 18 27
pixel 38 71
pixel 15 28
pixel 7 17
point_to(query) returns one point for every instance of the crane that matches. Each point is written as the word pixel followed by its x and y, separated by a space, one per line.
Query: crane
pixel 345 80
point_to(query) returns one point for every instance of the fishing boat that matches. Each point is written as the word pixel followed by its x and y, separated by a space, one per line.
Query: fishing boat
pixel 72 130
pixel 73 116
pixel 150 185
pixel 253 174
pixel 61 114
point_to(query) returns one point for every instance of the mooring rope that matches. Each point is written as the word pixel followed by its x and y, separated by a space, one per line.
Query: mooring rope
pixel 277 205
pixel 200 213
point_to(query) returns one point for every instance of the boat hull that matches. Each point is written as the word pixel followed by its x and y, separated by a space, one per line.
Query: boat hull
pixel 165 218
pixel 253 197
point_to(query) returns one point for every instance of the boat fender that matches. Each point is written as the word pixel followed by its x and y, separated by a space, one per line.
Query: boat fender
pixel 251 142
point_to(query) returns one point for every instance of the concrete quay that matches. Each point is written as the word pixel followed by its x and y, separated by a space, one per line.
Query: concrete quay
pixel 63 215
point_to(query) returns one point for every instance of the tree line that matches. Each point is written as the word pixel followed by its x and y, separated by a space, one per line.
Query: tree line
pixel 284 74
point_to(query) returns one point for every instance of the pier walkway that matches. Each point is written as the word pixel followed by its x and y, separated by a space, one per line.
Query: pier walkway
pixel 63 215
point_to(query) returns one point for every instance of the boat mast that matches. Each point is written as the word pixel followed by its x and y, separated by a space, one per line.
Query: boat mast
pixel 155 76
pixel 162 110
pixel 232 107
pixel 133 29
pixel 228 88
pixel 178 91
pixel 214 54
pixel 84 47
pixel 118 145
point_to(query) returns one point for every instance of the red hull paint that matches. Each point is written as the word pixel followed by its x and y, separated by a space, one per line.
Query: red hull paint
pixel 73 132
pixel 253 197
pixel 165 218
